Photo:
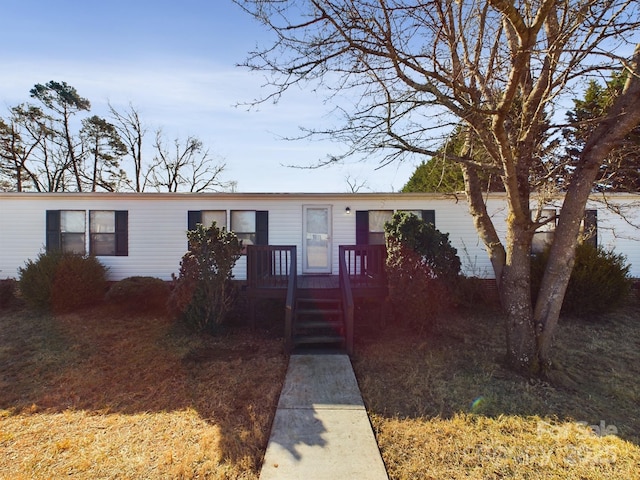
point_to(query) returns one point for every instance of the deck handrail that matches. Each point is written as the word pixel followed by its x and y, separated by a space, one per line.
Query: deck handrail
pixel 365 264
pixel 290 302
pixel 270 266
pixel 347 299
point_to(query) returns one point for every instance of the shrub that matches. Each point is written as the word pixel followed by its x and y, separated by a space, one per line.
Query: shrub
pixel 429 243
pixel 422 269
pixel 8 293
pixel 599 281
pixel 202 294
pixel 140 294
pixel 79 281
pixel 62 281
pixel 36 279
pixel 474 293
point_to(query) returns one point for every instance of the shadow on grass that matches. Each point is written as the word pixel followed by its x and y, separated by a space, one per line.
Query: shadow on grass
pixel 457 370
pixel 105 362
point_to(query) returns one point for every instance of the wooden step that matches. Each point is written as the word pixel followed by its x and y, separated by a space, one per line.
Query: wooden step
pixel 318 321
pixel 319 324
pixel 318 339
pixel 318 300
pixel 318 303
pixel 317 311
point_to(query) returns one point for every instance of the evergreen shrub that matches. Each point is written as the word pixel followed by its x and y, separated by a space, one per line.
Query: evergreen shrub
pixel 62 281
pixel 202 295
pixel 79 281
pixel 36 278
pixel 140 294
pixel 422 268
pixel 8 293
pixel 599 281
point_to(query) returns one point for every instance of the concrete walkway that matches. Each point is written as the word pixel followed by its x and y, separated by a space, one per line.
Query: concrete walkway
pixel 321 429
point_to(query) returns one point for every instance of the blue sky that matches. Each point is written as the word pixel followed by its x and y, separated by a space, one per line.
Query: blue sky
pixel 175 62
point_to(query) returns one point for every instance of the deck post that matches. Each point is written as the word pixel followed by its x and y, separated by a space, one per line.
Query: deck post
pixel 252 311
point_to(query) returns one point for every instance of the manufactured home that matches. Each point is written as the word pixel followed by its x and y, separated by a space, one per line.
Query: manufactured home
pixel 311 235
pixel 145 234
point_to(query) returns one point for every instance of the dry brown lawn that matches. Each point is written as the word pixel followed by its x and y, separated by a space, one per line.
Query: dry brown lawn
pixel 100 394
pixel 443 407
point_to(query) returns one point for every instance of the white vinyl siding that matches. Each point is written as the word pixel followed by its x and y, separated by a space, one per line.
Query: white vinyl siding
pixel 157 225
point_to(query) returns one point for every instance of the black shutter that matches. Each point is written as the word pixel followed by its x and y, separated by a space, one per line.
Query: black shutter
pixel 591 227
pixel 362 227
pixel 262 227
pixel 429 216
pixel 193 218
pixel 122 233
pixel 53 238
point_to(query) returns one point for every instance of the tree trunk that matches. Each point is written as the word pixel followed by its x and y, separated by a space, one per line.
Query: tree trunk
pixel 515 296
pixel 512 272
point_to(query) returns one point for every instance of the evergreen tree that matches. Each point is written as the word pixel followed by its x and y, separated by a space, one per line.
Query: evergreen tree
pixel 620 170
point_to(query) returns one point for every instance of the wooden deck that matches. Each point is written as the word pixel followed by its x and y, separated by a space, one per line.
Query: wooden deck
pixel 319 282
pixel 319 309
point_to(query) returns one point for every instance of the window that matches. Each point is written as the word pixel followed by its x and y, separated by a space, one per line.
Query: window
pixel 543 236
pixel 370 224
pixel 72 231
pixel 217 216
pixel 108 233
pixel 377 219
pixel 417 213
pixel 66 231
pixel 206 218
pixel 251 226
pixel 243 224
pixel 589 228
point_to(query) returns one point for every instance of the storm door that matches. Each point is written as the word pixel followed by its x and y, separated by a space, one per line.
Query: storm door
pixel 316 239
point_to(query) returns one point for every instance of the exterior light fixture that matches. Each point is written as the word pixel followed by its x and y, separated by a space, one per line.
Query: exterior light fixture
pixel 347 210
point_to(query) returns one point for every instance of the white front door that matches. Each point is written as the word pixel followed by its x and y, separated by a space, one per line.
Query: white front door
pixel 316 239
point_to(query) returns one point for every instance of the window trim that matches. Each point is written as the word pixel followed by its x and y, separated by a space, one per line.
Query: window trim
pixel 54 236
pixel 53 232
pixel 120 234
pixel 261 222
pixel 261 226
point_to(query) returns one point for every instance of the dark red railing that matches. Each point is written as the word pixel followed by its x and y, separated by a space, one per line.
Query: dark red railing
pixel 347 302
pixel 269 268
pixel 364 264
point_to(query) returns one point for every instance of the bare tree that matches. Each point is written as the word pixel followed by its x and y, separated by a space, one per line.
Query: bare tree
pixel 13 156
pixel 354 183
pixel 30 153
pixel 498 68
pixel 132 132
pixel 186 166
pixel 40 150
